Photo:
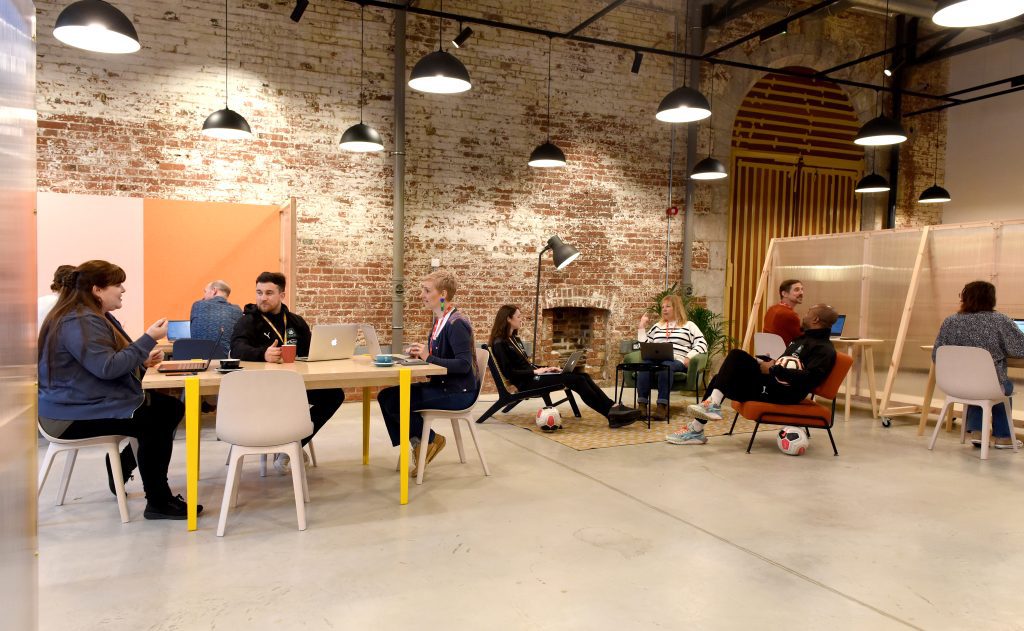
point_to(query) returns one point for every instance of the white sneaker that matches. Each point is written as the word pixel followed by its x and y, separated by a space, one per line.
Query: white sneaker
pixel 283 463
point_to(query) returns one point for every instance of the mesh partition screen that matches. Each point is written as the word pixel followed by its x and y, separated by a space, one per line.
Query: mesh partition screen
pixel 867 276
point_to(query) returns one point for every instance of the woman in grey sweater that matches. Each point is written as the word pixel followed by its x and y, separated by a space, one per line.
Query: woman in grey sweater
pixel 979 324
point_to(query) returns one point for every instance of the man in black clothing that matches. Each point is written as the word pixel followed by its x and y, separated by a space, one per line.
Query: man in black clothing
pixel 784 380
pixel 261 332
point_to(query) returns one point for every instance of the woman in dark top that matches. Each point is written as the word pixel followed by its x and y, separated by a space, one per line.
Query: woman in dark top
pixel 513 362
pixel 450 345
pixel 90 381
pixel 979 324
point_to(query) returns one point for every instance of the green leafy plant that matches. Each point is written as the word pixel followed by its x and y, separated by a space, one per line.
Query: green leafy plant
pixel 712 325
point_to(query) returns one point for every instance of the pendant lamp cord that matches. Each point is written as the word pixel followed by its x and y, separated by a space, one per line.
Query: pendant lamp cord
pixel 935 150
pixel 711 104
pixel 549 90
pixel 362 53
pixel 885 44
pixel 225 54
pixel 440 25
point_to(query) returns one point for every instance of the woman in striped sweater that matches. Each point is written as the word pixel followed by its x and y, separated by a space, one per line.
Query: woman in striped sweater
pixel 687 341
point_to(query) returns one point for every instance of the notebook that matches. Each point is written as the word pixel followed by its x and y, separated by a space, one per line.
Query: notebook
pixel 179 330
pixel 837 328
pixel 331 341
pixel 656 351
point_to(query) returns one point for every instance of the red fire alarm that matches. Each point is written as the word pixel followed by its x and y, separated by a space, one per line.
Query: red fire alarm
pixel 672 211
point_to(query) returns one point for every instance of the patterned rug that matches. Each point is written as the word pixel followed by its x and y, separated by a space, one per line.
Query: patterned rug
pixel 591 430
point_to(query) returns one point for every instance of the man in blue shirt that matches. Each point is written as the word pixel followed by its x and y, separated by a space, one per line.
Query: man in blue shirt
pixel 213 317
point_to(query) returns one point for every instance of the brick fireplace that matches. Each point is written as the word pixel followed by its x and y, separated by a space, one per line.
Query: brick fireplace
pixel 572 321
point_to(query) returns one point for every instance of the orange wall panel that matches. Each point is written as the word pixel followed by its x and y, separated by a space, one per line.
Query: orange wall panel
pixel 188 244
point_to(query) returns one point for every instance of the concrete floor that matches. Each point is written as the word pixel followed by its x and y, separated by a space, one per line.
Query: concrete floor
pixel 887 535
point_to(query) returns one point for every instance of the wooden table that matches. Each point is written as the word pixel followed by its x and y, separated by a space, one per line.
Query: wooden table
pixel 929 391
pixel 866 346
pixel 355 372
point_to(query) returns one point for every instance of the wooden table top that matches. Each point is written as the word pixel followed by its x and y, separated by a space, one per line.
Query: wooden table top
pixel 356 371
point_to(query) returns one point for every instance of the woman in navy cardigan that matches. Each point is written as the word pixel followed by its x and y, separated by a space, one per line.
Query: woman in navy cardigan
pixel 90 375
pixel 450 345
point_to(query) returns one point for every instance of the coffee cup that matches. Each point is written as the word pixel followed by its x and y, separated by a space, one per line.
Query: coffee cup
pixel 383 359
pixel 288 353
pixel 230 363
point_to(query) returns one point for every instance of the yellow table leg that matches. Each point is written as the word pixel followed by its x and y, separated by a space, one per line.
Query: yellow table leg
pixel 366 425
pixel 192 448
pixel 404 400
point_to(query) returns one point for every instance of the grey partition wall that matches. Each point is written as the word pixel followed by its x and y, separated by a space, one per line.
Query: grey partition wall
pixel 18 576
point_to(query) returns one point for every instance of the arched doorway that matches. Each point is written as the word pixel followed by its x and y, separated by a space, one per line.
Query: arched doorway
pixel 794 168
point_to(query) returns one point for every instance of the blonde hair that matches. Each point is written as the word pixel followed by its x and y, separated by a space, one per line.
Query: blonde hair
pixel 677 309
pixel 443 280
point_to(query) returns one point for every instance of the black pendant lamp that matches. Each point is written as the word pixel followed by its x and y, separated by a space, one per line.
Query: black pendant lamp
pixel 683 105
pixel 710 168
pixel 97 26
pixel 872 182
pixel 226 124
pixel 440 72
pixel 964 13
pixel 935 194
pixel 548 155
pixel 881 130
pixel 361 137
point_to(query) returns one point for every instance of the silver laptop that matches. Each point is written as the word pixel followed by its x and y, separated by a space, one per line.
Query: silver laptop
pixel 373 347
pixel 331 341
pixel 570 364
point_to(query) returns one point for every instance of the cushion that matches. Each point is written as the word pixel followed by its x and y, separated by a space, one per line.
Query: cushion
pixel 806 413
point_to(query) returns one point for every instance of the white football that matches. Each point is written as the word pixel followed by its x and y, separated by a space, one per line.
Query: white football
pixel 793 441
pixel 549 419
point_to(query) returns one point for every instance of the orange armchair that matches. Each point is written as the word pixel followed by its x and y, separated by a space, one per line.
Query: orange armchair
pixel 807 413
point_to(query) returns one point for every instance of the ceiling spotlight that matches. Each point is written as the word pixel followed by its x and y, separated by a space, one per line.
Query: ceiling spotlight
pixel 962 13
pixel 300 8
pixel 638 58
pixel 461 38
pixel 887 72
pixel 97 26
pixel 881 130
pixel 774 29
pixel 934 194
pixel 872 183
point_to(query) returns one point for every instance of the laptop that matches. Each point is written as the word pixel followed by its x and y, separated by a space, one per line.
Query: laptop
pixel 1020 323
pixel 656 351
pixel 188 365
pixel 570 364
pixel 179 330
pixel 837 327
pixel 373 347
pixel 331 341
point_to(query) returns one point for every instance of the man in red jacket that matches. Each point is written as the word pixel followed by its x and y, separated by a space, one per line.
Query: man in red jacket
pixel 782 319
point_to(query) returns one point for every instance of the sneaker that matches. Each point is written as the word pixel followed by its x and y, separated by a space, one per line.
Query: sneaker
pixel 171 508
pixel 283 463
pixel 706 410
pixel 128 465
pixel 1007 444
pixel 619 419
pixel 690 434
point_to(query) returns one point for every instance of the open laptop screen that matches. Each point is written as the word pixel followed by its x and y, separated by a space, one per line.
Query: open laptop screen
pixel 837 328
pixel 1020 323
pixel 179 330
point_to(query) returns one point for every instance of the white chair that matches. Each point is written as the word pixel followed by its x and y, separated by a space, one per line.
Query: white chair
pixel 429 416
pixel 110 443
pixel 263 412
pixel 967 375
pixel 769 344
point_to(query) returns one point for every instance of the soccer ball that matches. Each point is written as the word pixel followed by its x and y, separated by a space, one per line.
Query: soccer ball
pixel 790 362
pixel 548 419
pixel 793 441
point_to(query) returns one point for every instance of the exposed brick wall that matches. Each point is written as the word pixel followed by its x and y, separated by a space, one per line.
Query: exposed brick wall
pixel 129 125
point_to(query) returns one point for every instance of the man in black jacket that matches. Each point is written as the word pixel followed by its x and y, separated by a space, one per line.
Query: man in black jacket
pixel 804 365
pixel 258 337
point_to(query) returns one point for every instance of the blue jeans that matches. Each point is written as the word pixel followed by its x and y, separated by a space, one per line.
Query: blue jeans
pixel 665 379
pixel 423 396
pixel 1000 423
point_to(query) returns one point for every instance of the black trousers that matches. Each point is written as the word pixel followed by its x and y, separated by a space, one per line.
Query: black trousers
pixel 153 425
pixel 323 405
pixel 740 379
pixel 578 382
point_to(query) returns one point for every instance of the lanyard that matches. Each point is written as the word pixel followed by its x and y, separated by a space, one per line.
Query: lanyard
pixel 437 329
pixel 517 344
pixel 276 332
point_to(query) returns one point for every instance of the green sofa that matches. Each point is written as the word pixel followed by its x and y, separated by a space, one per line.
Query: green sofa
pixel 695 376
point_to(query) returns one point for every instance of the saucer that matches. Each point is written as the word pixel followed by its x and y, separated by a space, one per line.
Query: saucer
pixel 383 364
pixel 227 370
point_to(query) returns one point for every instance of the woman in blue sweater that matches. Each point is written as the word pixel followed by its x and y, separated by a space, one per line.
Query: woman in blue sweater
pixel 90 381
pixel 450 345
